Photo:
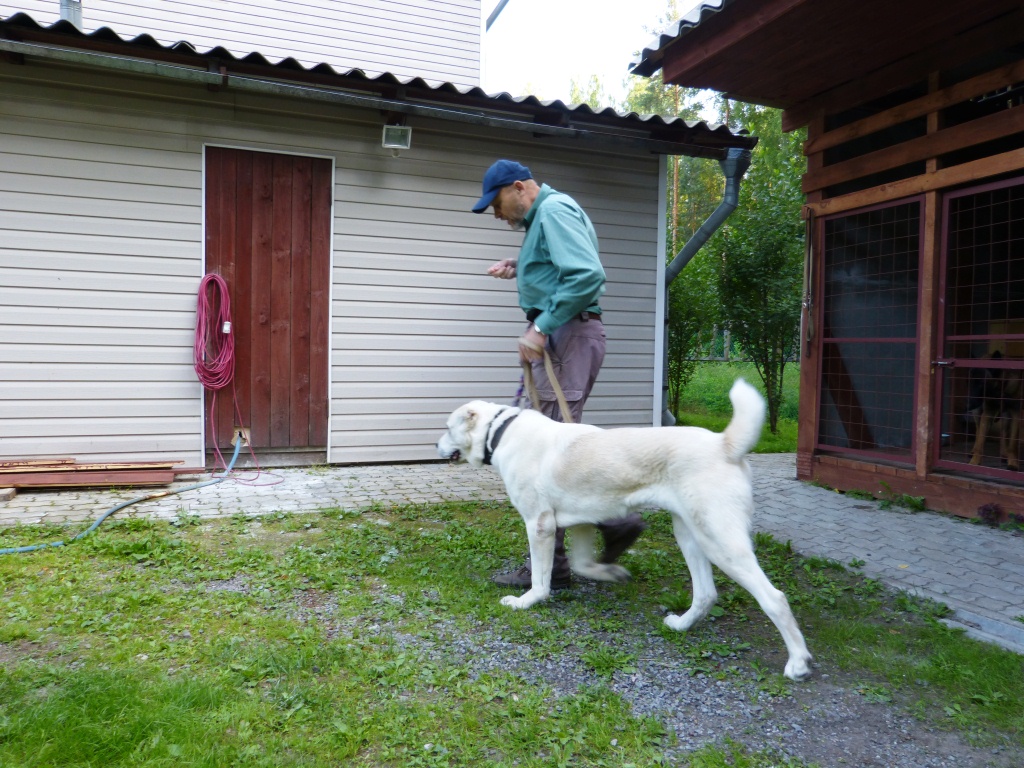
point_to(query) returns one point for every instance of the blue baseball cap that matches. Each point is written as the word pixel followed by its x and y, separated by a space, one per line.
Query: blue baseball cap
pixel 501 174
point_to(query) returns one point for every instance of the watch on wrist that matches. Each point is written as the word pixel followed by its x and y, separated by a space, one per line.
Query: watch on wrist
pixel 538 330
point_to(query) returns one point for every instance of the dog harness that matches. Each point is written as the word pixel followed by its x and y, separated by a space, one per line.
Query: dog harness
pixel 491 444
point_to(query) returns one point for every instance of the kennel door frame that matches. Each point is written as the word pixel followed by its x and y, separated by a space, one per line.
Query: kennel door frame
pixel 906 456
pixel 944 364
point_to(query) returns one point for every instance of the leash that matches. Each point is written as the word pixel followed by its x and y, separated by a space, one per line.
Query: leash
pixel 519 392
pixel 549 368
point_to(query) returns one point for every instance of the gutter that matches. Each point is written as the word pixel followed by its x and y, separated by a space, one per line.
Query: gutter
pixel 735 164
pixel 221 79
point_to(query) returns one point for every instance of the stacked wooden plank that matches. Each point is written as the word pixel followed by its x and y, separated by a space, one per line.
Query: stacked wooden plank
pixel 69 473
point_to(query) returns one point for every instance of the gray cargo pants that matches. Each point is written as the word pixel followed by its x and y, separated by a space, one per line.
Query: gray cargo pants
pixel 577 352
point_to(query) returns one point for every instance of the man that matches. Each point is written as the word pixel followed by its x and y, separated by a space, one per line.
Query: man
pixel 560 279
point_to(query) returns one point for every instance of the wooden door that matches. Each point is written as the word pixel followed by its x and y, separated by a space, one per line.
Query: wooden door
pixel 268 235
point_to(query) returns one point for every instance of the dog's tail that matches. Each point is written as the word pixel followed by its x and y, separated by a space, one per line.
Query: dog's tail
pixel 744 430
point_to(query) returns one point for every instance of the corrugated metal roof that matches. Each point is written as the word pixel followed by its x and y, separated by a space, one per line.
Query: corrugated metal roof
pixel 667 128
pixel 649 60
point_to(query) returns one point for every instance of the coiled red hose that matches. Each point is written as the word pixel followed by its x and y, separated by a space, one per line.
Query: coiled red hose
pixel 214 360
pixel 214 349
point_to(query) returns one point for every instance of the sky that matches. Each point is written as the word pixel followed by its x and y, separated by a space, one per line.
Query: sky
pixel 537 47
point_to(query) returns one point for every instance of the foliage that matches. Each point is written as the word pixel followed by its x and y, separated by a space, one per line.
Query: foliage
pixel 705 403
pixel 708 391
pixel 890 498
pixel 695 190
pixel 748 277
pixel 692 309
pixel 783 440
pixel 762 247
pixel 591 93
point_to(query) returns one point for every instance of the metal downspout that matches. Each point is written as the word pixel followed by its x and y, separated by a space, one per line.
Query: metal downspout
pixel 734 165
pixel 71 10
pixel 494 14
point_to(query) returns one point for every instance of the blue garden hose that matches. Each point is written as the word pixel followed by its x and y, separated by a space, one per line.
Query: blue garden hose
pixel 159 495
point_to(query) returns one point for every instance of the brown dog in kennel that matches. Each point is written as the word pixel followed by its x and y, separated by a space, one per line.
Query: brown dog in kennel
pixel 994 395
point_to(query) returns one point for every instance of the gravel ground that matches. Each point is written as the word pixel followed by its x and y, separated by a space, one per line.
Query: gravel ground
pixel 823 721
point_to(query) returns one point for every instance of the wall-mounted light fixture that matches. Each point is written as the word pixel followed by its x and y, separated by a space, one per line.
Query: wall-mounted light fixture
pixel 396 138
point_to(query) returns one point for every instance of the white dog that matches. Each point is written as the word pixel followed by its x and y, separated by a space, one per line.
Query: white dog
pixel 576 475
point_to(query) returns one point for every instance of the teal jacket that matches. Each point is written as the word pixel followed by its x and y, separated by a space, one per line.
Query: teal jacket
pixel 558 271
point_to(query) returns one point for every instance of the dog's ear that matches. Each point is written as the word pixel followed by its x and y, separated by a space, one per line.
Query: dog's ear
pixel 470 418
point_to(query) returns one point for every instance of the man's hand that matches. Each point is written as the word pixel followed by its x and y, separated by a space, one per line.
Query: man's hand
pixel 531 345
pixel 505 269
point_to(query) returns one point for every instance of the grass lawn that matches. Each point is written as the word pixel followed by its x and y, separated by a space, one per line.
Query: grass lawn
pixel 705 402
pixel 345 638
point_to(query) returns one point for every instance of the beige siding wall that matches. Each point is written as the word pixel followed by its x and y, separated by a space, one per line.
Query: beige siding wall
pixel 420 328
pixel 99 246
pixel 101 255
pixel 438 40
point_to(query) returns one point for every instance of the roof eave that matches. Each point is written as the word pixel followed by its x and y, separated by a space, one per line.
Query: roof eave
pixel 21 35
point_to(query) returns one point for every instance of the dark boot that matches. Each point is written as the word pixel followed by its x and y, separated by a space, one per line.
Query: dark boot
pixel 522 577
pixel 619 536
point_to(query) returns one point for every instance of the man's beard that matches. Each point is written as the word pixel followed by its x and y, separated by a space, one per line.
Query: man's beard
pixel 517 219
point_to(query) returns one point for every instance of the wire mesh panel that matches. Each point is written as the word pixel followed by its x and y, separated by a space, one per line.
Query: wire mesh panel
pixel 982 336
pixel 869 330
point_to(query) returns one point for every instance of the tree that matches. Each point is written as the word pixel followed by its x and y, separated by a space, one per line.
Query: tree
pixel 692 310
pixel 695 188
pixel 761 248
pixel 748 277
pixel 591 93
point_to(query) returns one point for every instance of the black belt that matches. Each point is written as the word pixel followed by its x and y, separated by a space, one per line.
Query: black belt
pixel 533 314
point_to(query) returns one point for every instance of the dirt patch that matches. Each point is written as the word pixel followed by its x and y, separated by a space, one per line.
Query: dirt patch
pixel 824 721
pixel 17 651
pixel 237 584
pixel 835 719
pixel 314 605
pixel 832 724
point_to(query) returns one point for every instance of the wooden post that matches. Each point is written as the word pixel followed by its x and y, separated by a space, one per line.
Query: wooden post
pixel 927 319
pixel 928 310
pixel 810 396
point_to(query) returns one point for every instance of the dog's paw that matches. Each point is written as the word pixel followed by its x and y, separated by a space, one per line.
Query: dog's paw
pixel 618 573
pixel 518 602
pixel 679 623
pixel 798 668
pixel 603 572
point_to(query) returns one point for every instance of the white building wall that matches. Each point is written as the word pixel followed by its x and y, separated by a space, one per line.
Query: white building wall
pixel 100 232
pixel 419 326
pixel 438 40
pixel 101 257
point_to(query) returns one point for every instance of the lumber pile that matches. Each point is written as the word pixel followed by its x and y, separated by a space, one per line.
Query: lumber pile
pixel 69 473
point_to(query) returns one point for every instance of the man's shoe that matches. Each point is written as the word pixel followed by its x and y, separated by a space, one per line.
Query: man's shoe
pixel 522 578
pixel 619 536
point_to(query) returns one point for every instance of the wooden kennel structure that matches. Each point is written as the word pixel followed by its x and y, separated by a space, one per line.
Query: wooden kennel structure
pixel 913 320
